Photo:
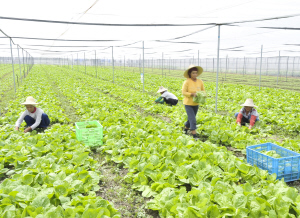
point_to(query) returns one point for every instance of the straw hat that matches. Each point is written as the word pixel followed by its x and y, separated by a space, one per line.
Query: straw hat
pixel 161 89
pixel 200 70
pixel 249 103
pixel 30 101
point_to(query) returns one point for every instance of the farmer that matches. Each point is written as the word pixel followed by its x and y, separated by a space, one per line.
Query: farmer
pixel 247 114
pixel 166 96
pixel 33 116
pixel 189 88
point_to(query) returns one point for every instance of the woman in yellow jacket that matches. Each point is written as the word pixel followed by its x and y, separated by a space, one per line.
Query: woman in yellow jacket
pixel 189 89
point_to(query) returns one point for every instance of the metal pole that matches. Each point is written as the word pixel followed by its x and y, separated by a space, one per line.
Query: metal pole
pixel 198 57
pixel 84 63
pixel 152 65
pixel 113 67
pixel 218 57
pixel 287 68
pixel 244 67
pixel 226 66
pixel 267 66
pixel 213 65
pixel 96 63
pixel 12 64
pixel 255 65
pixel 143 69
pixel 293 66
pixel 260 66
pixel 77 63
pixel 124 64
pixel 72 61
pixel 19 63
pixel 236 64
pixel 169 65
pixel 162 65
pixel 278 67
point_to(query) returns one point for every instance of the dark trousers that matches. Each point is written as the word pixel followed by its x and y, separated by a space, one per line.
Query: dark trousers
pixel 191 112
pixel 171 101
pixel 45 122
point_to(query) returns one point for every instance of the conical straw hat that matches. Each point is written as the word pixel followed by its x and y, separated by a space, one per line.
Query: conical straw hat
pixel 249 103
pixel 200 70
pixel 30 101
pixel 161 89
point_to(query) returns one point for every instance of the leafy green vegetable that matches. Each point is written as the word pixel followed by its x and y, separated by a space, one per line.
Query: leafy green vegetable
pixel 271 153
pixel 200 97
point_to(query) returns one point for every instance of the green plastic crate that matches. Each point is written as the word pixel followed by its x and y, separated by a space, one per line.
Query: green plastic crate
pixel 89 136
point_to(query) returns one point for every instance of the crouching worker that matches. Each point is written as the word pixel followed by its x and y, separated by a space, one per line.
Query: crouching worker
pixel 33 116
pixel 247 114
pixel 166 96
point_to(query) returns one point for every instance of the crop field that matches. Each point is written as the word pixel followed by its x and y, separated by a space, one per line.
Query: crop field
pixel 147 166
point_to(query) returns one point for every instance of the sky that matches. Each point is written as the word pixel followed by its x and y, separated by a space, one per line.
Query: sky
pixel 238 40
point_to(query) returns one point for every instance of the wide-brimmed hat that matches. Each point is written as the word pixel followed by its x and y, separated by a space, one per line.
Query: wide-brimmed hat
pixel 249 103
pixel 200 70
pixel 161 89
pixel 30 101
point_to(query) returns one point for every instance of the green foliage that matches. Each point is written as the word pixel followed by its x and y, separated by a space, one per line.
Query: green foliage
pixel 271 153
pixel 200 97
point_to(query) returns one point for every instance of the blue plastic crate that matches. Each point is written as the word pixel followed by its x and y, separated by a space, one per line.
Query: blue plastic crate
pixel 287 167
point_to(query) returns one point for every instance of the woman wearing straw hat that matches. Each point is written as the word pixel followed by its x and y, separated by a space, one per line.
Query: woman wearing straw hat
pixel 247 114
pixel 33 116
pixel 166 96
pixel 189 89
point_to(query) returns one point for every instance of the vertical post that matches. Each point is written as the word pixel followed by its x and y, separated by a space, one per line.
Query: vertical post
pixel 162 65
pixel 12 64
pixel 278 67
pixel 113 67
pixel 23 61
pixel 19 63
pixel 260 66
pixel 226 66
pixel 77 63
pixel 169 65
pixel 213 65
pixel 72 61
pixel 152 65
pixel 124 64
pixel 267 66
pixel 84 63
pixel 143 70
pixel 218 58
pixel 244 67
pixel 255 65
pixel 198 57
pixel 236 64
pixel 96 63
pixel 287 68
pixel 293 66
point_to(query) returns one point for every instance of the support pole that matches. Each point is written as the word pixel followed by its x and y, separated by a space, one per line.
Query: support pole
pixel 113 67
pixel 19 63
pixel 84 63
pixel 287 68
pixel 96 63
pixel 218 57
pixel 143 70
pixel 77 63
pixel 162 65
pixel 278 67
pixel 198 57
pixel 260 66
pixel 12 64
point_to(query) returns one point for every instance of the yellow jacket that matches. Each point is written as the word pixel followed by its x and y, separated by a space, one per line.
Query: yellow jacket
pixel 189 87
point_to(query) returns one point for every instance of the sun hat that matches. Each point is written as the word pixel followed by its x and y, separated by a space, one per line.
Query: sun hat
pixel 161 89
pixel 249 103
pixel 30 101
pixel 200 70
